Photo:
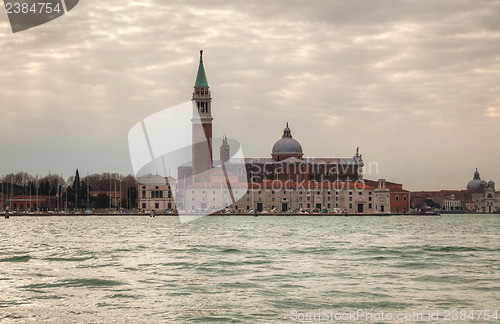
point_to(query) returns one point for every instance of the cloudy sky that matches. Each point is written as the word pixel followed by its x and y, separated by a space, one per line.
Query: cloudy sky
pixel 414 84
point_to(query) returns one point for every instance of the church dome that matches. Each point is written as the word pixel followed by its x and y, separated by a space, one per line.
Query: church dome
pixel 476 183
pixel 491 184
pixel 287 145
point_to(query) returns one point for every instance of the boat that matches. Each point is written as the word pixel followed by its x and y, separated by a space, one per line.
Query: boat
pixel 427 211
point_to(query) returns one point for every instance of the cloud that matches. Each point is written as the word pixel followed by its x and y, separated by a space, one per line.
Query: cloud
pixel 400 79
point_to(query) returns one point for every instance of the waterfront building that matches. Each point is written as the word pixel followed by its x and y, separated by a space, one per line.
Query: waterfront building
pixel 287 181
pixel 156 193
pixel 479 197
pixel 399 197
pixel 452 205
pixel 31 202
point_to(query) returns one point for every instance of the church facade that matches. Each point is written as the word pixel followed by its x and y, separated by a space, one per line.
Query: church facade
pixel 285 182
pixel 478 197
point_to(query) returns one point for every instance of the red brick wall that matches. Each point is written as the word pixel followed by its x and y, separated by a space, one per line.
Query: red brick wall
pixel 400 202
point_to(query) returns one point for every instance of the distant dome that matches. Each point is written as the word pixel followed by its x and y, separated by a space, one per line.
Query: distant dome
pixel 287 145
pixel 476 183
pixel 491 184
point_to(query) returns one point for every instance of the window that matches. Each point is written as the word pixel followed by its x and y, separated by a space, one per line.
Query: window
pixel 329 206
pixel 350 205
pixel 369 205
pixel 350 198
pixel 397 198
pixel 328 192
pixel 370 193
pixel 404 198
pixel 156 187
pixel 143 205
pixel 156 194
pixel 143 187
pixel 369 198
pixel 360 193
pixel 318 193
pixel 157 205
pixel 144 195
pixel 350 193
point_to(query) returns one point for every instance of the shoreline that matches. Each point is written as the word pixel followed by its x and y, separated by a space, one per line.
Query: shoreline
pixel 230 214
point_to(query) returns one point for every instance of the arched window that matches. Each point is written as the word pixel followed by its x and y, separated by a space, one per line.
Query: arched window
pixel 490 196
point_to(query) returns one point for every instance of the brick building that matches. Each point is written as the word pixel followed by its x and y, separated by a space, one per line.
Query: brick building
pixel 479 197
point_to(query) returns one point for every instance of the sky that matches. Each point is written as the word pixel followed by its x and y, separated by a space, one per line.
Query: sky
pixel 414 84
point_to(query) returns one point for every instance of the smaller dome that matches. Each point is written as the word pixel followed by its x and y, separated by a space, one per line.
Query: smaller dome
pixel 491 184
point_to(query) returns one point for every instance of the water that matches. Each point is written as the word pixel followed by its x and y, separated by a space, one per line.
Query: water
pixel 243 269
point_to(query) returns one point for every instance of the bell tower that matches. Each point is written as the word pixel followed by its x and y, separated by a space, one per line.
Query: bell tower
pixel 202 125
pixel 224 150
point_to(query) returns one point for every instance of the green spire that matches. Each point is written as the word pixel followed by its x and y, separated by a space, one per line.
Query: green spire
pixel 201 78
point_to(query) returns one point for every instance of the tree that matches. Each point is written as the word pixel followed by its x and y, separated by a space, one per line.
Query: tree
pixel 76 182
pixel 431 203
pixel 102 201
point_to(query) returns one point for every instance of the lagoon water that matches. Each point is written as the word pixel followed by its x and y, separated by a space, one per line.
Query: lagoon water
pixel 242 269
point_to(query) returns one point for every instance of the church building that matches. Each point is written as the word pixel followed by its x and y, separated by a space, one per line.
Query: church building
pixel 285 182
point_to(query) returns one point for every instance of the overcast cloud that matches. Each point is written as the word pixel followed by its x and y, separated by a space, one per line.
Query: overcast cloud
pixel 414 84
